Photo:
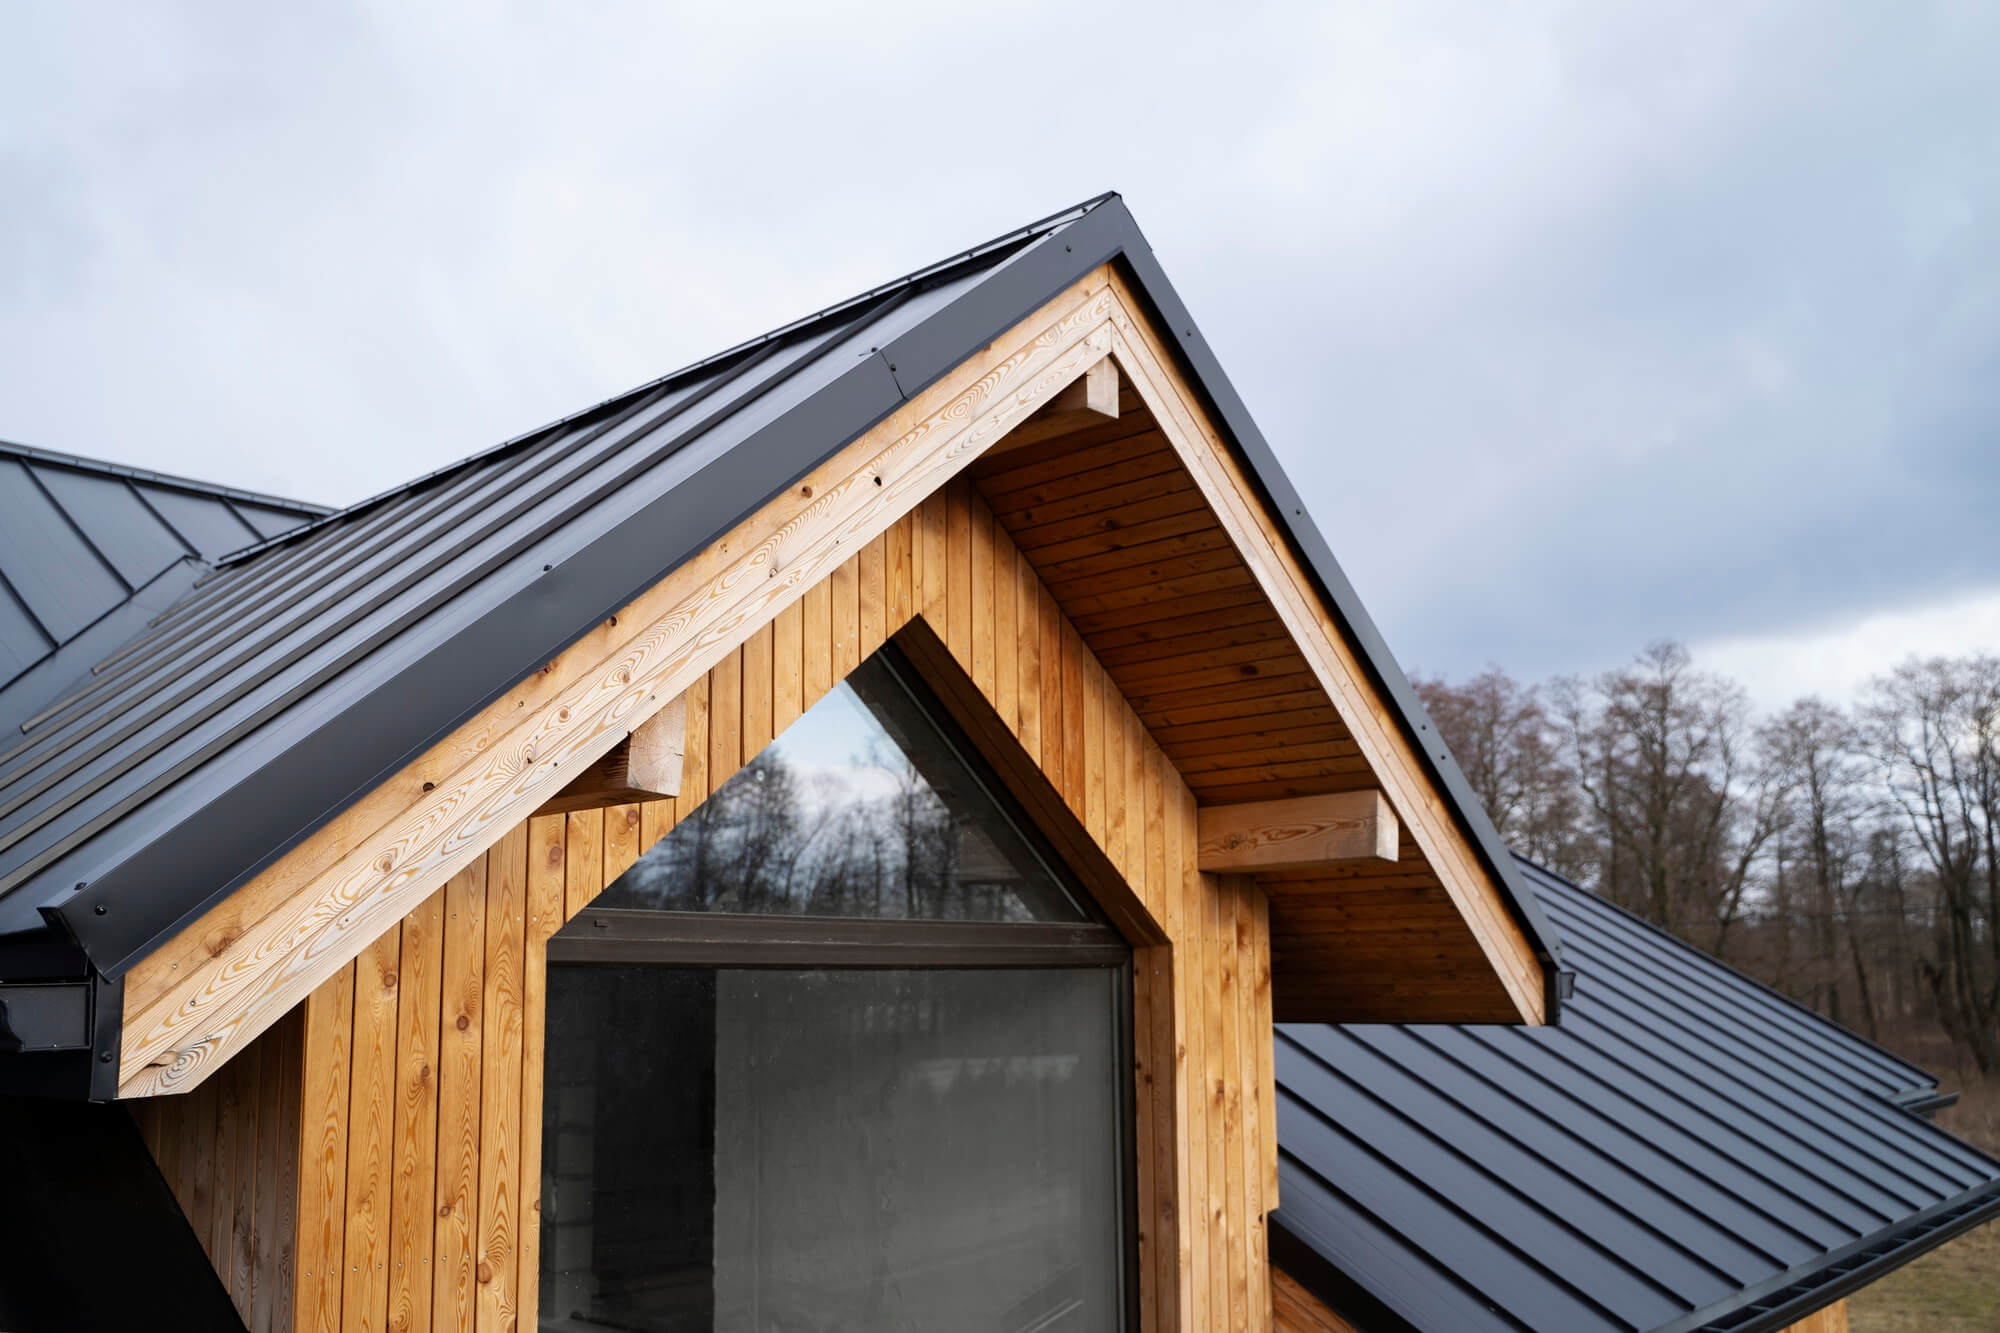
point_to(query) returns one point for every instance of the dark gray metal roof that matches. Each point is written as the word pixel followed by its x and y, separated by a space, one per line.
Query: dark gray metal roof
pixel 81 540
pixel 1686 1150
pixel 317 663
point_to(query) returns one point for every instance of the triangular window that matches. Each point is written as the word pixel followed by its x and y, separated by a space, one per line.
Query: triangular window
pixel 870 805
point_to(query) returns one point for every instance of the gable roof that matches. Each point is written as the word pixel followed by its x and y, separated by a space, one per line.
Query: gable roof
pixel 85 544
pixel 327 658
pixel 1688 1149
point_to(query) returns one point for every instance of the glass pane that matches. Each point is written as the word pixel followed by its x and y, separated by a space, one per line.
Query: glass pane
pixel 864 807
pixel 831 1151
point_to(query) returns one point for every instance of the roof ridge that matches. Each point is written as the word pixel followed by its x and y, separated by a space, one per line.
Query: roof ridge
pixel 103 467
pixel 1017 237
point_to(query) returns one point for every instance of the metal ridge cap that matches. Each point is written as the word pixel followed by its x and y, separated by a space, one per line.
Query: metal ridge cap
pixel 212 490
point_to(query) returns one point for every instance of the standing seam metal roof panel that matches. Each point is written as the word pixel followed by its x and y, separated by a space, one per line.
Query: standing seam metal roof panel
pixel 1687 1149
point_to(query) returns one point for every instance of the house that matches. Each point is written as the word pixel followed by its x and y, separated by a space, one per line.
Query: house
pixel 1686 1150
pixel 821 840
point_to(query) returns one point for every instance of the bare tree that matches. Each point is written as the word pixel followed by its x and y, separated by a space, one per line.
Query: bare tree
pixel 1825 839
pixel 1681 800
pixel 1501 735
pixel 1934 729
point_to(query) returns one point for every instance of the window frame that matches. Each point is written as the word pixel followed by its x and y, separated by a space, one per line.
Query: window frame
pixel 725 941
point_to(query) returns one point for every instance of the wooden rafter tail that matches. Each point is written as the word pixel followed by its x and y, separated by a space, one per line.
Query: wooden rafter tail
pixel 1299 833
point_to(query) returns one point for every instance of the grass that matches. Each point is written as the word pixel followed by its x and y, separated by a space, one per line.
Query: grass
pixel 1956 1287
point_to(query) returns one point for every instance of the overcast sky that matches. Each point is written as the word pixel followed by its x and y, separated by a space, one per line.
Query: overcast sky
pixel 1576 325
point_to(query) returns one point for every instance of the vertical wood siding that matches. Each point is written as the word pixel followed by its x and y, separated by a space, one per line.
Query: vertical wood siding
pixel 230 1153
pixel 417 1069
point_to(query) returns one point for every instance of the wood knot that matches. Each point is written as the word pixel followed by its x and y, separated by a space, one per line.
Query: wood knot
pixel 463 1022
pixel 389 980
pixel 430 786
pixel 444 1210
pixel 485 1273
pixel 386 863
pixel 220 944
pixel 806 491
pixel 1248 668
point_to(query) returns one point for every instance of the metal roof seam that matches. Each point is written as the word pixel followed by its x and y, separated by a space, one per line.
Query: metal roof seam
pixel 1583 1145
pixel 1684 981
pixel 1674 944
pixel 69 519
pixel 1761 1116
pixel 1621 1095
pixel 1522 1198
pixel 1556 1168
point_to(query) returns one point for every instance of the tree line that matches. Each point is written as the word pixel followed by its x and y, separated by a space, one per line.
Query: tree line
pixel 1847 855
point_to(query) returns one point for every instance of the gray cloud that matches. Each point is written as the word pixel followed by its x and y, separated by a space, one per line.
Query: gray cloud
pixel 1575 326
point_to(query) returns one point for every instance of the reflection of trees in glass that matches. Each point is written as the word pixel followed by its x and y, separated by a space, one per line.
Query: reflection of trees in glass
pixel 876 840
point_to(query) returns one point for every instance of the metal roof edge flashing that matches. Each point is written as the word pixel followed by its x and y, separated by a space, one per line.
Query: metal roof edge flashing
pixel 1779 1302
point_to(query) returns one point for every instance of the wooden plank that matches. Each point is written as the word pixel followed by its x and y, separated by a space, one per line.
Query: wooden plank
pixel 845 587
pixel 872 571
pixel 222 1195
pixel 899 574
pixel 695 784
pixel 1196 984
pixel 1239 1065
pixel 787 667
pixel 286 1230
pixel 1170 1083
pixel 933 529
pixel 547 862
pixel 497 1271
pixel 243 1222
pixel 461 1029
pixel 725 721
pixel 1096 817
pixel 622 839
pixel 958 574
pixel 583 846
pixel 412 1204
pixel 818 633
pixel 322 1223
pixel 1339 828
pixel 1075 768
pixel 1028 651
pixel 371 1114
pixel 191 1001
pixel 1151 1236
pixel 266 1241
pixel 1050 656
pixel 979 521
pixel 1266 1074
pixel 758 682
pixel 1006 640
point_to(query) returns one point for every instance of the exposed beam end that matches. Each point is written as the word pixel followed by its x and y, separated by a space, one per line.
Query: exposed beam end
pixel 1095 392
pixel 645 766
pixel 1299 833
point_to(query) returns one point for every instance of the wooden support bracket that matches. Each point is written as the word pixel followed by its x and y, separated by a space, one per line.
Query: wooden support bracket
pixel 645 766
pixel 1094 392
pixel 1298 833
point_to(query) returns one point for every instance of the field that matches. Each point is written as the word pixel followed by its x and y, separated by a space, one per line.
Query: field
pixel 1956 1287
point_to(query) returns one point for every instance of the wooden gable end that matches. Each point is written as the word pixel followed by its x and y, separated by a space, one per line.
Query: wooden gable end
pixel 1173 525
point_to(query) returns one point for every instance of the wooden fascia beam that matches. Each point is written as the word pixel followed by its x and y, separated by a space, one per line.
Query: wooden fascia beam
pixel 1298 833
pixel 645 766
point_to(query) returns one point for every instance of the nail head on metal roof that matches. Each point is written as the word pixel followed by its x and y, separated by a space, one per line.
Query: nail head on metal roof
pixel 100 909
